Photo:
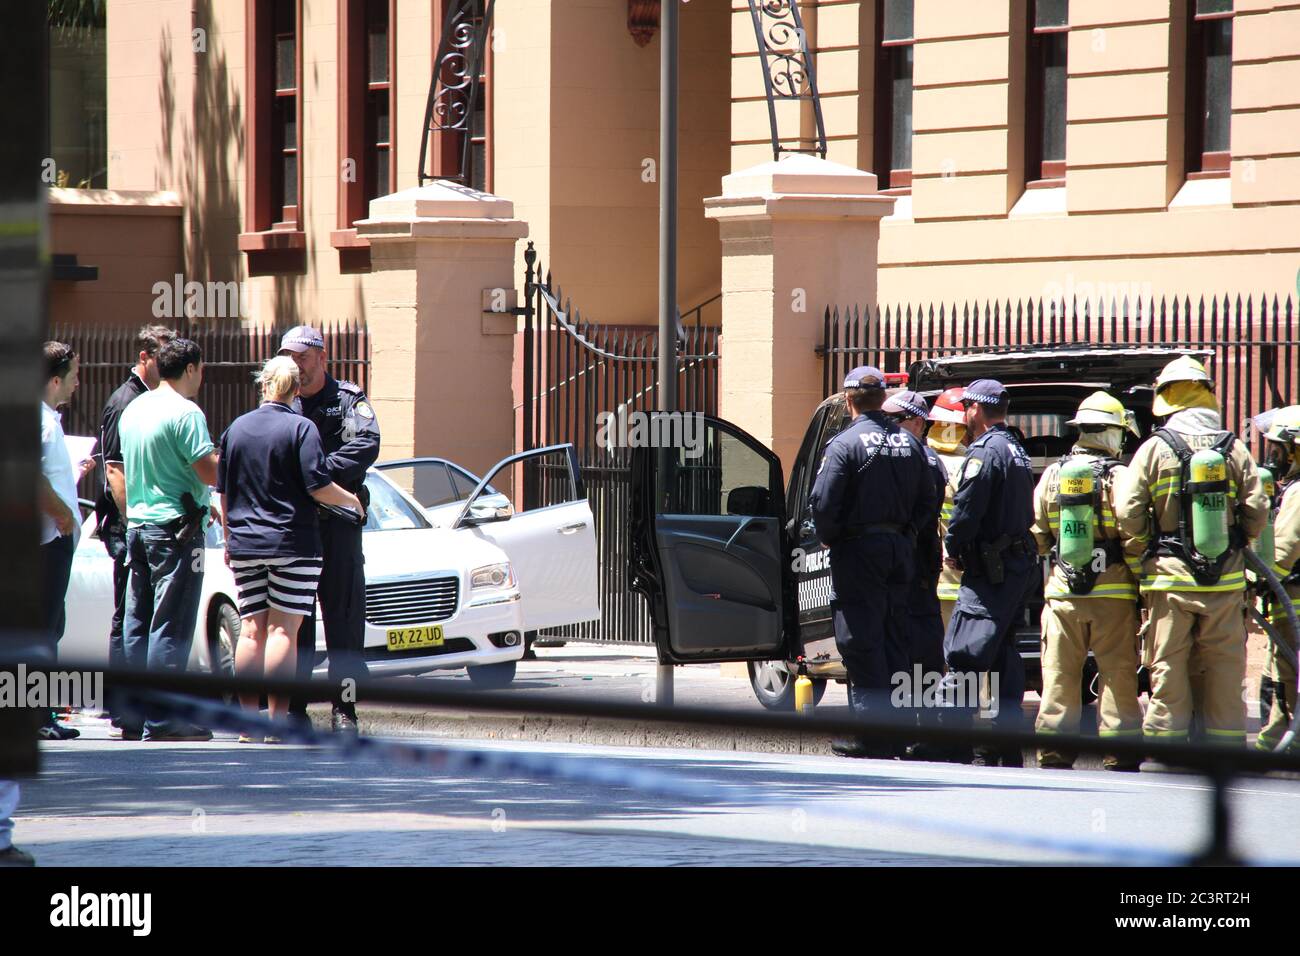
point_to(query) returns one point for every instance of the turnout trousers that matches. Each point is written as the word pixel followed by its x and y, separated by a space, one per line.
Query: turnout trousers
pixel 1196 639
pixel 1071 628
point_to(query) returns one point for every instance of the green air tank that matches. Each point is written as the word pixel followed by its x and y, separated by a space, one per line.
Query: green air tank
pixel 1264 543
pixel 1075 538
pixel 1209 508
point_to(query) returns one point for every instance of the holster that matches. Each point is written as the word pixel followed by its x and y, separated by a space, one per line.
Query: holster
pixel 188 524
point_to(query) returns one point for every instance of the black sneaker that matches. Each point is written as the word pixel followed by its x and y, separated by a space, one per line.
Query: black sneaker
pixel 177 732
pixel 1121 766
pixel 938 753
pixel 853 747
pixel 127 732
pixel 12 856
pixel 57 731
pixel 344 722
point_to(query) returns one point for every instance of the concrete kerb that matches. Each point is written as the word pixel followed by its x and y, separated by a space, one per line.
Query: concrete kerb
pixel 459 725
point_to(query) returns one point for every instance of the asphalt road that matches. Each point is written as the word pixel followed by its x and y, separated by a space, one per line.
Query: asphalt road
pixel 103 802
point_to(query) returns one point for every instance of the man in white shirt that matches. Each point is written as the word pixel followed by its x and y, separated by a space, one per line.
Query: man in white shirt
pixel 57 495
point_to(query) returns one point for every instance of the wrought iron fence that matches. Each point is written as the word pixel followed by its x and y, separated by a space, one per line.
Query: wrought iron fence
pixel 1255 352
pixel 231 355
pixel 579 382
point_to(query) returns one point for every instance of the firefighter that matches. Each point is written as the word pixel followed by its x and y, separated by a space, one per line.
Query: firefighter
pixel 1193 499
pixel 1092 592
pixel 948 437
pixel 1277 682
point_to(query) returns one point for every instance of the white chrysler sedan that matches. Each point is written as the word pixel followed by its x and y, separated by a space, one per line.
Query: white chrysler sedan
pixel 455 574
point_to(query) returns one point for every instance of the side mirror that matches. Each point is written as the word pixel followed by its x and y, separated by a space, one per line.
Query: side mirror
pixel 488 509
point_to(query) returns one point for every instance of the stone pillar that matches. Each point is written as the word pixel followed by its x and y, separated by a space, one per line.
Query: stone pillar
pixel 797 235
pixel 440 373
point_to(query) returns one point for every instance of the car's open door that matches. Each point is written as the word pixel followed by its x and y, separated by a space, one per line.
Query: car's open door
pixel 533 506
pixel 709 549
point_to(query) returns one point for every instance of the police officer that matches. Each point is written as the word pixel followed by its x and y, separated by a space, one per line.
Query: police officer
pixel 988 539
pixel 1194 499
pixel 871 495
pixel 1091 595
pixel 948 438
pixel 350 437
pixel 1277 682
pixel 923 621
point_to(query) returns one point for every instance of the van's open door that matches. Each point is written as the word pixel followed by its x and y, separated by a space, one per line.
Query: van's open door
pixel 709 549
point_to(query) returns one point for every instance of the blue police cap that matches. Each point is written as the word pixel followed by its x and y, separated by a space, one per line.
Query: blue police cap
pixel 865 376
pixel 301 338
pixel 906 403
pixel 985 391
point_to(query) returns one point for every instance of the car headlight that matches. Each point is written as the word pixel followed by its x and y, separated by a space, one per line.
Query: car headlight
pixel 493 577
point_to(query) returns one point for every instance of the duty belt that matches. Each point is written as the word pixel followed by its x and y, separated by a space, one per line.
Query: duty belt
pixel 855 531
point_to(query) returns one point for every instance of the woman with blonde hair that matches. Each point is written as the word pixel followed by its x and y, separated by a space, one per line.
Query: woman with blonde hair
pixel 271 476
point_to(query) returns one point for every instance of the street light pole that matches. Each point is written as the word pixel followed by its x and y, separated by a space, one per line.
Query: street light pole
pixel 668 37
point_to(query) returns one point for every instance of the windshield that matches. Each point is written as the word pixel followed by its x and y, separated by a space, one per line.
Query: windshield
pixel 388 510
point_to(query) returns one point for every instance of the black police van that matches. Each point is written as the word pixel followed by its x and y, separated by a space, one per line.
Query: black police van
pixel 723 548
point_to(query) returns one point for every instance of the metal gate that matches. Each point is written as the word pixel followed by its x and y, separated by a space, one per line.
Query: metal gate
pixel 1255 358
pixel 573 372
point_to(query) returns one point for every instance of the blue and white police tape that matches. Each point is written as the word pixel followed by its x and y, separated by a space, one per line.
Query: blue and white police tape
pixel 611 773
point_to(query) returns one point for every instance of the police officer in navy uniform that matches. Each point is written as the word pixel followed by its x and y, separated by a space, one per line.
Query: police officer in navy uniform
pixel 924 619
pixel 989 535
pixel 872 493
pixel 349 435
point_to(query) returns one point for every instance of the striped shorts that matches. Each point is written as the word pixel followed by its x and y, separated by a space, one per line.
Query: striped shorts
pixel 286 584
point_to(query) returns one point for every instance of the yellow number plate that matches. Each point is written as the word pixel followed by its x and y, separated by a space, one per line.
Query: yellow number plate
pixel 410 638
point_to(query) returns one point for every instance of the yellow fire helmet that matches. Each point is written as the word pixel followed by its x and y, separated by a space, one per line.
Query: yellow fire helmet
pixel 1182 384
pixel 1101 408
pixel 1183 369
pixel 1285 426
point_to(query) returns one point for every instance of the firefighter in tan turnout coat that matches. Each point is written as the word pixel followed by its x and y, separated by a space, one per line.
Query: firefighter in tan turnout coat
pixel 1194 499
pixel 1277 682
pixel 1091 595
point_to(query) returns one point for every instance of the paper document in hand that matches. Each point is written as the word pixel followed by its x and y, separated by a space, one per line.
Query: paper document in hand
pixel 79 448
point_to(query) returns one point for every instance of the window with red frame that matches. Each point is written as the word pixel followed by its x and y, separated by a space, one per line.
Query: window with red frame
pixel 447 149
pixel 1045 64
pixel 366 94
pixel 378 156
pixel 1209 88
pixel 895 44
pixel 273 236
pixel 284 113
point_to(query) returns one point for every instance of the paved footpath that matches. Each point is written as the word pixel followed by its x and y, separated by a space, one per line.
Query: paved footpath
pixel 103 802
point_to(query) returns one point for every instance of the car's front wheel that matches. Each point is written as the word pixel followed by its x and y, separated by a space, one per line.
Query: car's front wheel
pixel 492 676
pixel 223 635
pixel 774 685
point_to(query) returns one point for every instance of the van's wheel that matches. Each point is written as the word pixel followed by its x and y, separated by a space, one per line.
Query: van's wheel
pixel 492 676
pixel 774 685
pixel 223 635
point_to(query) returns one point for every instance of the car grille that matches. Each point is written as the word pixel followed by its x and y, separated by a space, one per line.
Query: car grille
pixel 419 601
